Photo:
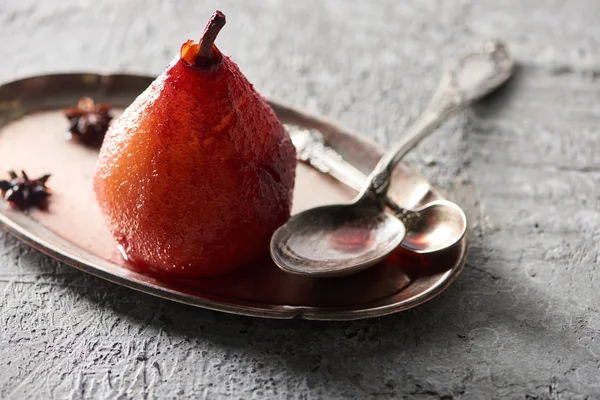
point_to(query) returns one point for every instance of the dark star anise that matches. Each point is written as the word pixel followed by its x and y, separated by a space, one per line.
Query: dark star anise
pixel 23 192
pixel 89 121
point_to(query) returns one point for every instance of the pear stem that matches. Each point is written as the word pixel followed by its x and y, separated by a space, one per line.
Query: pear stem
pixel 206 55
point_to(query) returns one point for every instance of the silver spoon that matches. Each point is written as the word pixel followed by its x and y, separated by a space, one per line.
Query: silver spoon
pixel 342 239
pixel 433 227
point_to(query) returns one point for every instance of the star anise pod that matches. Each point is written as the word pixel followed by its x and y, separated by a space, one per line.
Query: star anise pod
pixel 23 193
pixel 88 121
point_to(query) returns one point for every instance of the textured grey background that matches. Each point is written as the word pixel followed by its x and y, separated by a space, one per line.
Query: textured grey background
pixel 523 319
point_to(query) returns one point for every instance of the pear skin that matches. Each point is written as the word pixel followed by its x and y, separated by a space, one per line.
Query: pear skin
pixel 198 172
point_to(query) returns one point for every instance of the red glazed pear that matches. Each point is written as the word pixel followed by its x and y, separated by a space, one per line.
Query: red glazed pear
pixel 198 172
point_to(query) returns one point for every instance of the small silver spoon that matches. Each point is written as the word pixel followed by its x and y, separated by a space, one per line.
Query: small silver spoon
pixel 433 227
pixel 342 239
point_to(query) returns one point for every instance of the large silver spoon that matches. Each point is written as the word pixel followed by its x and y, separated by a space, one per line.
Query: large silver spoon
pixel 433 227
pixel 342 239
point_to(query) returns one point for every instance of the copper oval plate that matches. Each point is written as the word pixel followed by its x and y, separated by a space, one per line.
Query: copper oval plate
pixel 32 137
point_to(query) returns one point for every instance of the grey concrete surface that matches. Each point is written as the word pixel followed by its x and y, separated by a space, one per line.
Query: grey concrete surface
pixel 521 322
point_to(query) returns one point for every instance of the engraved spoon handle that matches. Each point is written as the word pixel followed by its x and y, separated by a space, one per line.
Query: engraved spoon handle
pixel 312 149
pixel 471 77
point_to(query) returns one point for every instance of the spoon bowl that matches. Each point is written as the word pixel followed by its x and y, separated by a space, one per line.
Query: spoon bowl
pixel 320 241
pixel 435 226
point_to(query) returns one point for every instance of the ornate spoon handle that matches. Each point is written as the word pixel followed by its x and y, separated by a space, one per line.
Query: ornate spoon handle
pixel 471 77
pixel 312 149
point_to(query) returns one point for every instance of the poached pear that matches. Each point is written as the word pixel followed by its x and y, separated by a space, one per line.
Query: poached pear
pixel 198 172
